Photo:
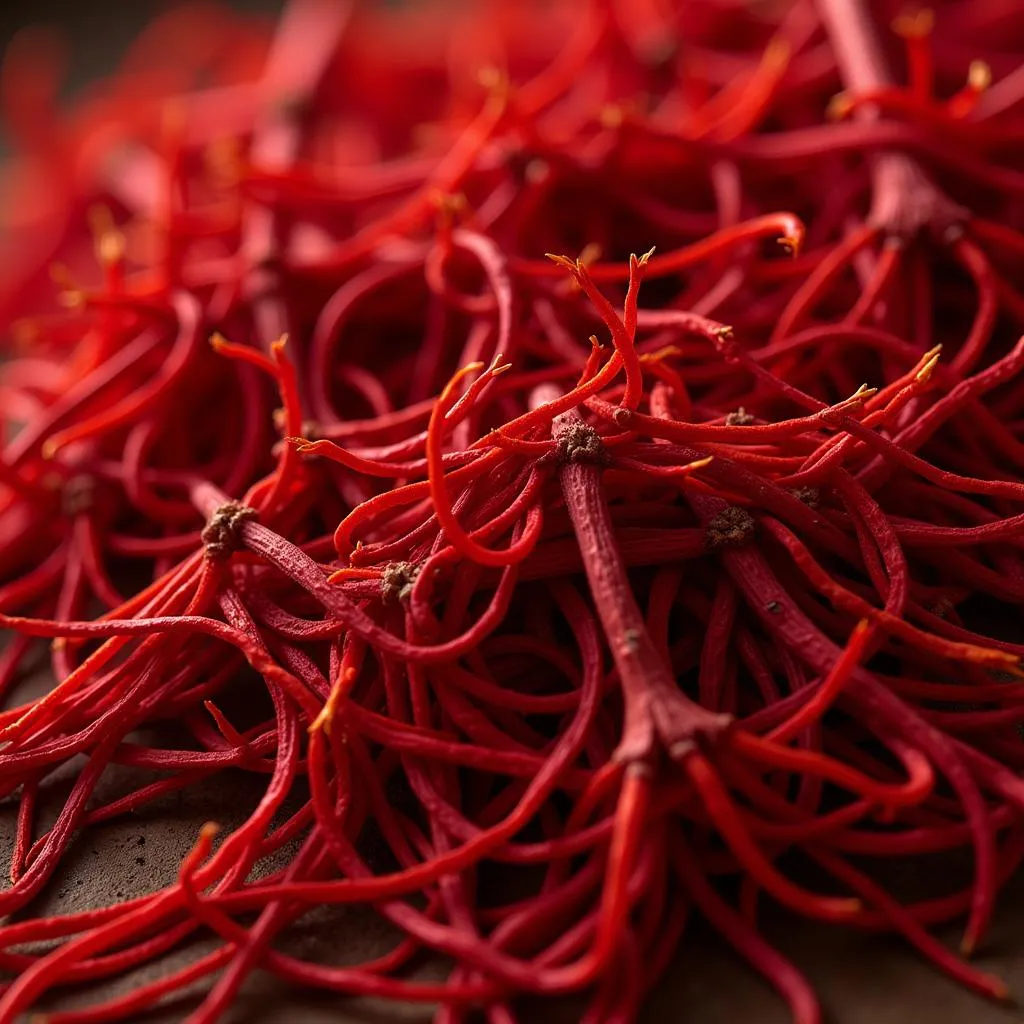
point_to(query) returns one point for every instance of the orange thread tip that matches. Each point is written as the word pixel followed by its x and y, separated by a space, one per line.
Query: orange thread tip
pixel 914 24
pixel 110 248
pixel 791 243
pixel 60 275
pixel 24 333
pixel 463 371
pixel 612 115
pixel 979 75
pixel 209 830
pixel 490 77
pixel 108 240
pixel 839 107
pixel 450 203
pixel 927 367
pixel 173 119
pixel 648 358
pixel 496 83
pixel 777 52
pixel 222 158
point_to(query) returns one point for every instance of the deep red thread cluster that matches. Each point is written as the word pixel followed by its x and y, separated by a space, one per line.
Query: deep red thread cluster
pixel 576 592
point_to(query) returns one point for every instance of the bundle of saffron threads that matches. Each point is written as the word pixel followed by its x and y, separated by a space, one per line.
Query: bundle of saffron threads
pixel 551 594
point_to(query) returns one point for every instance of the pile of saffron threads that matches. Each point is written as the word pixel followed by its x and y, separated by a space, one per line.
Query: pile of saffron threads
pixel 679 584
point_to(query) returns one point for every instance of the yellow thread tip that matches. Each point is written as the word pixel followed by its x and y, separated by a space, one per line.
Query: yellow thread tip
pixel 927 368
pixel 322 722
pixel 561 261
pixel 639 262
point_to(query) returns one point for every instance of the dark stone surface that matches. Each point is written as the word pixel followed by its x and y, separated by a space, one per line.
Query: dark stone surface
pixel 862 979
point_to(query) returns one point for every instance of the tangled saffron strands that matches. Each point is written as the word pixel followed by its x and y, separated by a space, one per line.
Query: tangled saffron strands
pixel 604 571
